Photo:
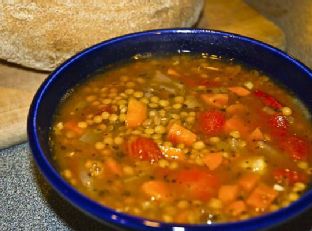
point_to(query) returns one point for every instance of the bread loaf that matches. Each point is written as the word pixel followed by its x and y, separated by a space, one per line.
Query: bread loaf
pixel 43 33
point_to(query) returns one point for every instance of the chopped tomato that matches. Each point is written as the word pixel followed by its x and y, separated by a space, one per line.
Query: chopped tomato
pixel 279 125
pixel 296 147
pixel 144 149
pixel 211 122
pixel 198 184
pixel 288 176
pixel 267 99
pixel 215 100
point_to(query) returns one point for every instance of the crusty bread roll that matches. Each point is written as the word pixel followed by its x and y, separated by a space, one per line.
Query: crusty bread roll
pixel 43 33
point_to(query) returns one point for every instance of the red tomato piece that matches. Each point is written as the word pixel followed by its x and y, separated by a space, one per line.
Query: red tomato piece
pixel 211 122
pixel 144 149
pixel 279 121
pixel 288 176
pixel 267 99
pixel 279 125
pixel 296 147
pixel 198 184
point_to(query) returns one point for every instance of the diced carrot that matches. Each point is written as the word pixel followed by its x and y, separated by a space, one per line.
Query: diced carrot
pixel 240 91
pixel 235 123
pixel 236 109
pixel 73 126
pixel 136 114
pixel 213 160
pixel 114 167
pixel 261 197
pixel 198 184
pixel 236 208
pixel 256 135
pixel 248 182
pixel 216 100
pixel 172 153
pixel 177 134
pixel 228 193
pixel 172 72
pixel 157 189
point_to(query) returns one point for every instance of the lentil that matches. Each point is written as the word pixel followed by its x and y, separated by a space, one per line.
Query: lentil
pixel 286 111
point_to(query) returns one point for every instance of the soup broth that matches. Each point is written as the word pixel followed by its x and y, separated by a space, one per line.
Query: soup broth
pixel 185 139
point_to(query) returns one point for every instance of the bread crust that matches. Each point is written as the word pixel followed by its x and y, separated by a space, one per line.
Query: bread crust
pixel 42 34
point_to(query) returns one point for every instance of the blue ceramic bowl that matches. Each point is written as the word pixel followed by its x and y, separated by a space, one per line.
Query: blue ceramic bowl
pixel 281 67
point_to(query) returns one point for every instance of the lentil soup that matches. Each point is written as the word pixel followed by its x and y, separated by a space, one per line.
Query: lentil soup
pixel 185 139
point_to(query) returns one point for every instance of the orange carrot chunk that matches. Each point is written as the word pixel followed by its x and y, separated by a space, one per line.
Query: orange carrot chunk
pixel 157 189
pixel 235 123
pixel 177 134
pixel 261 197
pixel 240 91
pixel 73 126
pixel 197 184
pixel 114 167
pixel 136 114
pixel 216 100
pixel 172 72
pixel 213 160
pixel 256 135
pixel 236 208
pixel 236 109
pixel 248 182
pixel 228 193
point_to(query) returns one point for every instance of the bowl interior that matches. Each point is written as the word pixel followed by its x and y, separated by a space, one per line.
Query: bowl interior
pixel 279 66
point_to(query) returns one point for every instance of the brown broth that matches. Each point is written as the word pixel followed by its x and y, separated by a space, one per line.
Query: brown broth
pixel 203 140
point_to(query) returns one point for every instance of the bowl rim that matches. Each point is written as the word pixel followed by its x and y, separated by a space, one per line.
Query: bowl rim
pixel 106 214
